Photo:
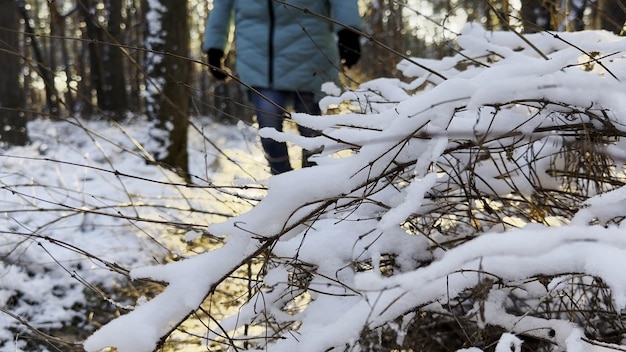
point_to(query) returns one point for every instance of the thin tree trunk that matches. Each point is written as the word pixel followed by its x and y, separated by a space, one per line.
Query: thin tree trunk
pixel 93 34
pixel 537 15
pixel 114 98
pixel 59 47
pixel 613 15
pixel 44 72
pixel 12 118
pixel 169 77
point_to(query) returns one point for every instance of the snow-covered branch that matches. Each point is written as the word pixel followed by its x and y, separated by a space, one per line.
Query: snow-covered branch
pixel 459 196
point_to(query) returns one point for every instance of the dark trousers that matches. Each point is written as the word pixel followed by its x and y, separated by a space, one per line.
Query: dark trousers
pixel 269 106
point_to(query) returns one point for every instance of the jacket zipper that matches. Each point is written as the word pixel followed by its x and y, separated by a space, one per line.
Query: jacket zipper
pixel 270 54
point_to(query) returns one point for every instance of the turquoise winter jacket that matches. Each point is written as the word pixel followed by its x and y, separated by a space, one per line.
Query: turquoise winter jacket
pixel 282 47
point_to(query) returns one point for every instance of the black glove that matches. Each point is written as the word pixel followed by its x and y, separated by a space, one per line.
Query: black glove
pixel 349 47
pixel 215 64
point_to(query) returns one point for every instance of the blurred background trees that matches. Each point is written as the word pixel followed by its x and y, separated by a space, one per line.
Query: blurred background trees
pixel 121 59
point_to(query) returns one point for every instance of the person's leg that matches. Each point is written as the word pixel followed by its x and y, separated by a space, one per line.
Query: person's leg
pixel 305 102
pixel 269 114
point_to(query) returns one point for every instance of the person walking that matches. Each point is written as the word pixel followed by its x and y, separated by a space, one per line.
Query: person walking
pixel 285 49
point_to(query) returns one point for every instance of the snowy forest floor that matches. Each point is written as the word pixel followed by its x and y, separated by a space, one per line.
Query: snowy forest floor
pixel 81 205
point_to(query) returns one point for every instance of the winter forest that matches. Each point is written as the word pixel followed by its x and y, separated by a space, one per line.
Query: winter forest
pixel 468 196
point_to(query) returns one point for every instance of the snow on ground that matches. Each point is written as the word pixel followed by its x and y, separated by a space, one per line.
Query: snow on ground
pixel 81 197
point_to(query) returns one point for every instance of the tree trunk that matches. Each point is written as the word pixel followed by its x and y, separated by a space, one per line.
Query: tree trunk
pixel 613 15
pixel 43 70
pixel 59 47
pixel 114 98
pixel 538 15
pixel 93 35
pixel 106 58
pixel 136 34
pixel 12 117
pixel 168 70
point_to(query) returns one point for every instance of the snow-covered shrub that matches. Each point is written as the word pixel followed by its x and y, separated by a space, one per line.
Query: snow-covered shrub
pixel 80 207
pixel 484 194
